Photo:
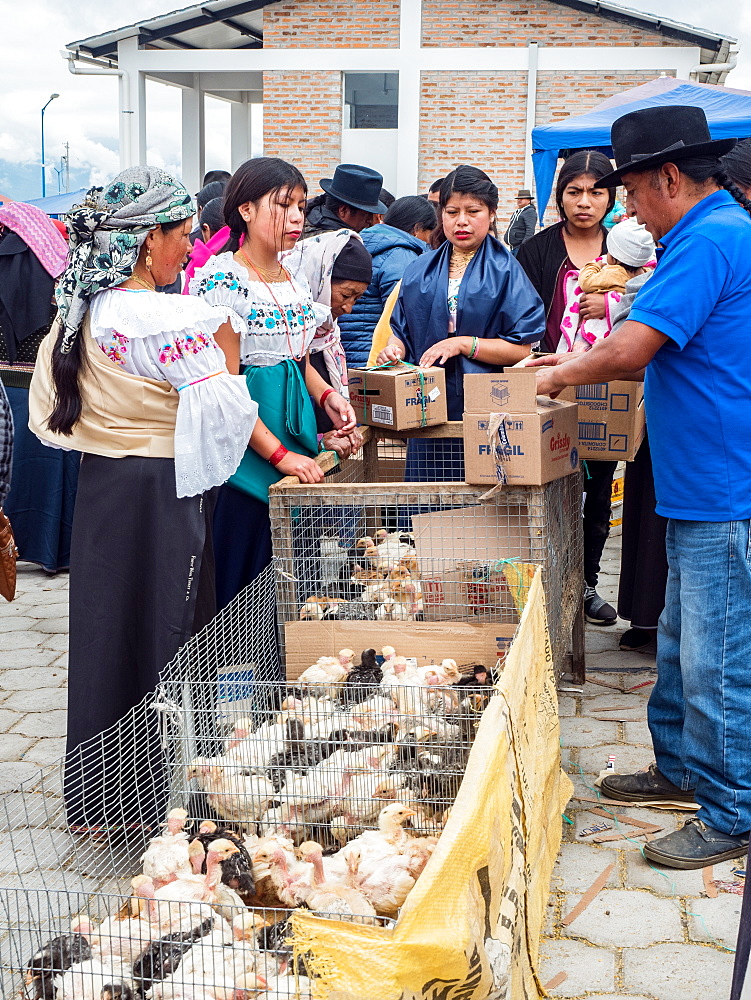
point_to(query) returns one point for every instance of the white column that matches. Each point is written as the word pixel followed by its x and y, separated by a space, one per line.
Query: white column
pixel 408 140
pixel 531 110
pixel 132 104
pixel 193 136
pixel 241 132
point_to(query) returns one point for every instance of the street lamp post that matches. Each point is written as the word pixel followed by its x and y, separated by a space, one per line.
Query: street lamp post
pixel 44 180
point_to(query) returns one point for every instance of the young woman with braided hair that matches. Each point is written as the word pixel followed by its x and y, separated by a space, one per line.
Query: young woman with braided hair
pixel 264 208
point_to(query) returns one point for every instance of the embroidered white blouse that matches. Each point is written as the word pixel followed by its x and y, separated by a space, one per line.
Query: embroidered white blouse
pixel 171 338
pixel 278 319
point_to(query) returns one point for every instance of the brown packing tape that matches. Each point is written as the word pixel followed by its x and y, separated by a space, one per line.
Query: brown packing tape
pixel 605 684
pixel 597 886
pixel 628 820
pixel 605 838
pixel 559 978
pixel 710 888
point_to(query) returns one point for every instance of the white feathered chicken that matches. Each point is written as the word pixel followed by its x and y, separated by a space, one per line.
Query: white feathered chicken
pixel 167 855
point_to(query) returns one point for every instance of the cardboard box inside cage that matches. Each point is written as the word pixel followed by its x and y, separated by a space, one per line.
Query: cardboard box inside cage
pixel 461 554
pixel 400 397
pixel 611 419
pixel 427 642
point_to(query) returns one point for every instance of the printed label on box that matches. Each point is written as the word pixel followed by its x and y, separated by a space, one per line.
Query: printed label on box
pixel 383 414
pixel 434 394
pixel 590 431
pixel 592 392
pixel 618 442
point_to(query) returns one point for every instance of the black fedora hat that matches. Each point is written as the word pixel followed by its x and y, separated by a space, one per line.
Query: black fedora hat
pixel 356 186
pixel 642 140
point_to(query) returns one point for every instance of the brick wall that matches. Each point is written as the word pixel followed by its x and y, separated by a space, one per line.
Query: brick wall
pixel 511 22
pixel 302 120
pixel 476 117
pixel 311 24
pixel 563 93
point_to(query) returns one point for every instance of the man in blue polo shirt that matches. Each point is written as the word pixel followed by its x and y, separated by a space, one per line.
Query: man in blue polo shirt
pixel 689 329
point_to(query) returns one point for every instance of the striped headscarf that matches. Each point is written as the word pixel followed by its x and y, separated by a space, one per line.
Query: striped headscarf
pixel 106 233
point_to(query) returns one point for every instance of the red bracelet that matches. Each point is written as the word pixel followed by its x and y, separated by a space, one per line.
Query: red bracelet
pixel 324 396
pixel 278 455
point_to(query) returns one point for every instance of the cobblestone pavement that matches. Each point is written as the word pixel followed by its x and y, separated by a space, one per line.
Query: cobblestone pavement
pixel 650 934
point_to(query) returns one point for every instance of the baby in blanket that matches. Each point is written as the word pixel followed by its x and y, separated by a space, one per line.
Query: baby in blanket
pixel 630 251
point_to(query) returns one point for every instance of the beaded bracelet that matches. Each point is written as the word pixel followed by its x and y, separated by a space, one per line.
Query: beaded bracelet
pixel 278 455
pixel 324 396
pixel 475 348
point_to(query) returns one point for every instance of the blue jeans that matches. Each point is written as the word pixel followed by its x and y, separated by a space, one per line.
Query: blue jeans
pixel 700 707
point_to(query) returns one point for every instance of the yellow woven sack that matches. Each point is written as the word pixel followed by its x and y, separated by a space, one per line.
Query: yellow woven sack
pixel 470 928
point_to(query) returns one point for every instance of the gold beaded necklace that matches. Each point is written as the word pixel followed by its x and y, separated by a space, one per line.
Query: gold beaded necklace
pixel 460 261
pixel 146 284
pixel 279 275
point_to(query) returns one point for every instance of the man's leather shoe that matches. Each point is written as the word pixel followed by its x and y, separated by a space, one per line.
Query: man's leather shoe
pixel 647 787
pixel 695 845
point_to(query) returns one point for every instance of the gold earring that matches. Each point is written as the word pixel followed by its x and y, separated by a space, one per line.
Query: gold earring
pixel 149 260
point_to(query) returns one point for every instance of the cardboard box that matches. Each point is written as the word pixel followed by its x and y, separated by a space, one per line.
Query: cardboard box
pixel 536 442
pixel 456 551
pixel 539 446
pixel 512 391
pixel 395 397
pixel 611 419
pixel 427 642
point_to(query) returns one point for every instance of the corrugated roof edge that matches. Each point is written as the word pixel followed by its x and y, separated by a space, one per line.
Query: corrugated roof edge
pixel 675 29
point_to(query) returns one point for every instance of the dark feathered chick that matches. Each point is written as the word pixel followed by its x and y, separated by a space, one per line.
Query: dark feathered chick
pixel 480 677
pixel 358 739
pixel 162 957
pixel 237 869
pixel 299 753
pixel 118 989
pixel 57 955
pixel 363 680
pixel 276 936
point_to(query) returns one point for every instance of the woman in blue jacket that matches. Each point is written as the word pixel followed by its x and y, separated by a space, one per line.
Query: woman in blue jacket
pixel 393 244
pixel 468 307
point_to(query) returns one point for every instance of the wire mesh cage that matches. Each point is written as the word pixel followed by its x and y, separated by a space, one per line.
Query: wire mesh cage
pixel 163 858
pixel 367 545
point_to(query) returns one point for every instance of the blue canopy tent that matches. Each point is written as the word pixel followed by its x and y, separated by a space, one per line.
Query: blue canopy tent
pixel 728 113
pixel 59 204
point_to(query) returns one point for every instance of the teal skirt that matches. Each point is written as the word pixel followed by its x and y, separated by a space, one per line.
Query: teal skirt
pixel 285 407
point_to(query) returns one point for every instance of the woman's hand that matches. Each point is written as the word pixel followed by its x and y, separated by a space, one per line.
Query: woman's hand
pixel 592 306
pixel 343 444
pixel 390 355
pixel 442 351
pixel 301 466
pixel 340 411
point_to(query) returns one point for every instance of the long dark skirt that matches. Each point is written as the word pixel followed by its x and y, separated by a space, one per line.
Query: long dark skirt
pixel 141 584
pixel 644 564
pixel 242 542
pixel 42 493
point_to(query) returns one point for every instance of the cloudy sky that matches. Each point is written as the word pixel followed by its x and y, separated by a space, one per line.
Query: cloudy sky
pixel 85 115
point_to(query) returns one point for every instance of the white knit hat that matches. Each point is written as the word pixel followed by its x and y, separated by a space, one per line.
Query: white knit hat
pixel 630 243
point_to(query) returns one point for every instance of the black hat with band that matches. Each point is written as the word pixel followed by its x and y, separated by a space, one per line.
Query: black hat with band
pixel 643 140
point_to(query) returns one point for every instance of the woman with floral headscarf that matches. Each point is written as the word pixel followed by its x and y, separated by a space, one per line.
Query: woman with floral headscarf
pixel 136 381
